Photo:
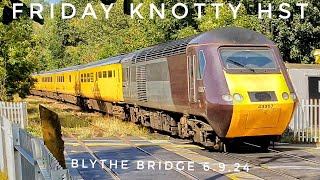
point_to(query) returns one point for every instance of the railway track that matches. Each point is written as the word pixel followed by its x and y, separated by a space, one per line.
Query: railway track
pixel 286 154
pixel 191 176
pixel 187 175
pixel 108 170
pixel 233 156
pixel 263 166
pixel 113 174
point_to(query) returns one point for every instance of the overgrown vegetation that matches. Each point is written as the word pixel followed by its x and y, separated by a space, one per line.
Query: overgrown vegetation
pixel 26 47
pixel 85 125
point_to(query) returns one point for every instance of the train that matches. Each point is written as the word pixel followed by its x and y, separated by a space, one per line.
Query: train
pixel 216 88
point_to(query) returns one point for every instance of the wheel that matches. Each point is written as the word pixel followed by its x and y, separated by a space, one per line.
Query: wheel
pixel 221 147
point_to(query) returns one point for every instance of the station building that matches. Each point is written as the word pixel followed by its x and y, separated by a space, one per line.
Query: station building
pixel 305 79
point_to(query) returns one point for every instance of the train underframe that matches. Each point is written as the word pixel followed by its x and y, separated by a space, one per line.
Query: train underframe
pixel 175 124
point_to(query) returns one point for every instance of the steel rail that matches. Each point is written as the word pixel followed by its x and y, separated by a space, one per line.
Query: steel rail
pixel 182 172
pixel 287 154
pixel 103 166
pixel 260 166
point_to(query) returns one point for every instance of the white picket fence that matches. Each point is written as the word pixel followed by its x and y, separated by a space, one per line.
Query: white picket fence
pixel 305 123
pixel 21 155
pixel 15 111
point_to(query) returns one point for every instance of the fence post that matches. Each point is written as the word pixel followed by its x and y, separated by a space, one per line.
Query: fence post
pixel 17 155
pixel 2 148
pixel 316 123
pixel 24 113
pixel 9 148
pixel 36 150
pixel 313 107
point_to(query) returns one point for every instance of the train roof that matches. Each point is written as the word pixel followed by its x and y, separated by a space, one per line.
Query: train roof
pixel 232 35
pixel 227 35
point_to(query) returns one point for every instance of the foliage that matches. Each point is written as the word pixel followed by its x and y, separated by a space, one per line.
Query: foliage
pixel 17 65
pixel 29 47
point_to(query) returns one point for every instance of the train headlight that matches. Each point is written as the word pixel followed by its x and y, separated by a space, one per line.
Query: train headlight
pixel 293 96
pixel 285 96
pixel 238 97
pixel 227 98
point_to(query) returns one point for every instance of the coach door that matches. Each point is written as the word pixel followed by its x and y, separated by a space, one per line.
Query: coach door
pixel 192 78
pixel 126 81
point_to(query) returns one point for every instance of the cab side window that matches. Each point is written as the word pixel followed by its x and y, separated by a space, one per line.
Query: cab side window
pixel 202 64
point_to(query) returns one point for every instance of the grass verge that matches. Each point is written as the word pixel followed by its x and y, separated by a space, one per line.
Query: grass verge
pixel 74 121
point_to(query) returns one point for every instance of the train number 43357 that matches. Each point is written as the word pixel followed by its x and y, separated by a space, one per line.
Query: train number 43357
pixel 265 106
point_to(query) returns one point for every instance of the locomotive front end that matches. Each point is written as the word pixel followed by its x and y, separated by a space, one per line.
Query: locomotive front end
pixel 263 102
pixel 245 88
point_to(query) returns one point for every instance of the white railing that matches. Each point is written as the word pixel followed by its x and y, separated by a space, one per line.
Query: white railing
pixel 15 112
pixel 305 123
pixel 21 155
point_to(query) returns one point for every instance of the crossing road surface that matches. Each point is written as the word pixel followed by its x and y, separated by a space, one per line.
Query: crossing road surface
pixel 138 158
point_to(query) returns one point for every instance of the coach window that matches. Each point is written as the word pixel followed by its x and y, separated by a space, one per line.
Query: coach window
pixel 104 74
pixel 100 74
pixel 88 77
pixel 81 77
pixel 114 73
pixel 96 76
pixel 202 64
pixel 91 77
pixel 110 74
pixel 62 78
pixel 84 77
pixel 69 78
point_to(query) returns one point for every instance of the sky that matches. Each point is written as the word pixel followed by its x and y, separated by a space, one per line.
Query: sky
pixel 53 1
